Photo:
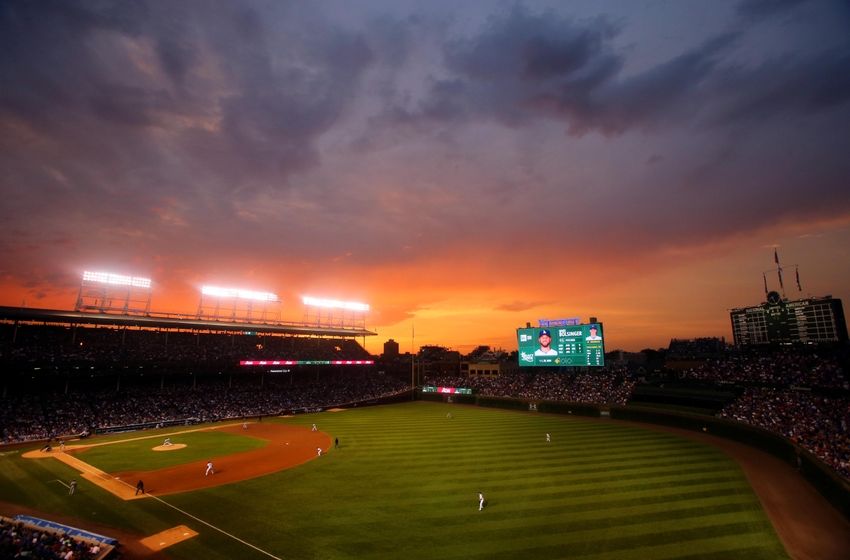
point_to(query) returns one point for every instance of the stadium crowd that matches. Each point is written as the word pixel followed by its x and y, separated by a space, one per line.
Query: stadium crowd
pixel 784 367
pixel 19 540
pixel 69 349
pixel 818 423
pixel 52 415
pixel 799 393
pixel 608 386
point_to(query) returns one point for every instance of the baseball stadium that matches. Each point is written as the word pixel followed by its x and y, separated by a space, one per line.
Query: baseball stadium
pixel 132 434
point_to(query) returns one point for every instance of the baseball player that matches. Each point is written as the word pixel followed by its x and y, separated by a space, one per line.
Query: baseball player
pixel 72 487
pixel 480 501
pixel 319 451
pixel 209 469
pixel 548 438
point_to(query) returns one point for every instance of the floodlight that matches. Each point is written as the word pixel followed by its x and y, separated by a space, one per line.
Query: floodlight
pixel 237 293
pixel 335 304
pixel 116 279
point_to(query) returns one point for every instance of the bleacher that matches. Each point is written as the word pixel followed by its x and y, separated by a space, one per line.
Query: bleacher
pixel 25 536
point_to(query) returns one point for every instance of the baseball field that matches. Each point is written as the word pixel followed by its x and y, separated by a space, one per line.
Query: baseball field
pixel 403 483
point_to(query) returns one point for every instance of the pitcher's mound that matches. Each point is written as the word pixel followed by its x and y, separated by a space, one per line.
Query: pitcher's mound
pixel 172 447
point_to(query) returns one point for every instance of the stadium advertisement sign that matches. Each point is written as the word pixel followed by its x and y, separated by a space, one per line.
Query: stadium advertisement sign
pixel 447 390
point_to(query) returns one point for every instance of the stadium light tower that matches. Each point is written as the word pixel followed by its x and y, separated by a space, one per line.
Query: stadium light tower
pixel 334 313
pixel 235 304
pixel 108 292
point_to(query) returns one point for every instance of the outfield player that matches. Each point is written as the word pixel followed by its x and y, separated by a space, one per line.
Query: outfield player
pixel 548 437
pixel 480 501
pixel 209 469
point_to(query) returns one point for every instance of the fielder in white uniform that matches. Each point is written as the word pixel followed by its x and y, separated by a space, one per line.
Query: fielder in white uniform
pixel 480 501
pixel 209 469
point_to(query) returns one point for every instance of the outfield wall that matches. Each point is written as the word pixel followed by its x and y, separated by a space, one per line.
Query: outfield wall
pixel 824 479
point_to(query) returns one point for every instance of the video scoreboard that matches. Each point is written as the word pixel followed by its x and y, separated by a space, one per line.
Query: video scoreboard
pixel 780 321
pixel 572 345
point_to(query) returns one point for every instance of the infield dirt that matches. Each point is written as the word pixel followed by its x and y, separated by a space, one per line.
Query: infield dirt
pixel 287 447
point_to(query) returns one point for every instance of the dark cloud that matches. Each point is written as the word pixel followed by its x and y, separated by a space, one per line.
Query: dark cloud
pixel 121 111
pixel 765 8
pixel 524 66
pixel 521 61
pixel 783 87
pixel 197 131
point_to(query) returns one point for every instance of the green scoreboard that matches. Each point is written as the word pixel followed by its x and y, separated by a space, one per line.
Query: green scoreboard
pixel 576 345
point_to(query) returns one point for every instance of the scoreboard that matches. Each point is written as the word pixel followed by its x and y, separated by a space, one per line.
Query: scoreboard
pixel 780 321
pixel 576 345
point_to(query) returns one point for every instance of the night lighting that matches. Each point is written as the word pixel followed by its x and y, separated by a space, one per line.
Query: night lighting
pixel 237 293
pixel 116 279
pixel 336 304
pixel 306 362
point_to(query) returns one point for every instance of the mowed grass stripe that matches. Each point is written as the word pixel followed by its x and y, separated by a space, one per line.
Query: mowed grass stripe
pixel 404 483
pixel 621 542
pixel 624 466
pixel 553 518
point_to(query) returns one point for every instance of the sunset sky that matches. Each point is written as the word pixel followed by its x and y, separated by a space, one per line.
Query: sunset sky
pixel 463 167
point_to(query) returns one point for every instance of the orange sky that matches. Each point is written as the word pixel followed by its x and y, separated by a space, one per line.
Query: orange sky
pixel 464 168
pixel 642 305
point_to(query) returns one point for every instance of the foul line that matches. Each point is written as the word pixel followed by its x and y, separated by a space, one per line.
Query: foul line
pixel 210 525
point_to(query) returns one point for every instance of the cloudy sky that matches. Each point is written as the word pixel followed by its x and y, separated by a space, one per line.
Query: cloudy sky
pixel 464 167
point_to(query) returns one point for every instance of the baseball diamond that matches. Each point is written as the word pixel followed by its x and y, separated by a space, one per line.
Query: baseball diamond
pixel 406 481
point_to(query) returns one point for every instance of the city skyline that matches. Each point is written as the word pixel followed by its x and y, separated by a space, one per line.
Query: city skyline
pixel 464 169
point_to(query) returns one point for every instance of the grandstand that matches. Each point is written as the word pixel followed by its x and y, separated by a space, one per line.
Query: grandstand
pixel 72 374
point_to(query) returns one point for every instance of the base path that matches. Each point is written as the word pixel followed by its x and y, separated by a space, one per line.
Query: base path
pixel 287 447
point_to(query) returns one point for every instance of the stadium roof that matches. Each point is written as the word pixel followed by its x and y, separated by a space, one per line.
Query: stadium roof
pixel 173 321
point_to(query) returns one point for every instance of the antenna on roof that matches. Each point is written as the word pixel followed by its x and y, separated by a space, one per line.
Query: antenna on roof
pixel 779 275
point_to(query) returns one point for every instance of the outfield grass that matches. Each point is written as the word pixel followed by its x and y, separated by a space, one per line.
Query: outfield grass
pixel 405 481
pixel 137 455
